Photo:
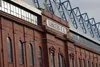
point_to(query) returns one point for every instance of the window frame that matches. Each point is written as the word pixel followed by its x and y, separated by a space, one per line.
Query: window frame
pixel 9 49
pixel 84 62
pixel 79 62
pixel 52 59
pixel 72 61
pixel 21 53
pixel 89 64
pixel 31 55
pixel 40 57
pixel 61 60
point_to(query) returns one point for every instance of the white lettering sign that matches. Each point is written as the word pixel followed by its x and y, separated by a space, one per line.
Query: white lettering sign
pixel 56 26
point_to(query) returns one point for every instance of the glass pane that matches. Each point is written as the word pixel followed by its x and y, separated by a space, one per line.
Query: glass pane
pixel 40 56
pixel 16 11
pixel 96 64
pixel 72 62
pixel 21 52
pixel 2 5
pixel 58 60
pixel 84 63
pixel 79 62
pixel 32 20
pixel 9 48
pixel 22 14
pixel 61 62
pixel 12 9
pixel 88 63
pixel 35 20
pixel 92 64
pixel 19 13
pixel 26 16
pixel 8 8
pixel 52 60
pixel 31 54
pixel 29 17
pixel 5 6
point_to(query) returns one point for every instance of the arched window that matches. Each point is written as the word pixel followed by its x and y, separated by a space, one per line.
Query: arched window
pixel 9 49
pixel 84 63
pixel 79 62
pixel 40 56
pixel 58 60
pixel 52 53
pixel 89 63
pixel 52 59
pixel 96 64
pixel 61 61
pixel 31 54
pixel 20 45
pixel 92 64
pixel 72 60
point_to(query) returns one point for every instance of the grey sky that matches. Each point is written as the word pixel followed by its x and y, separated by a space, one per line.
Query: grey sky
pixel 92 7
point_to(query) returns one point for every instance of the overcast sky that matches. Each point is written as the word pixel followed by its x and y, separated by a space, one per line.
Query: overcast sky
pixel 92 7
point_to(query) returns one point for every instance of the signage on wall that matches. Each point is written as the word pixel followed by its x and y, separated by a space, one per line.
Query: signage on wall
pixel 56 26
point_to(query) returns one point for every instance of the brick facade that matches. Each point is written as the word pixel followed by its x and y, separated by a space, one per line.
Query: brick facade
pixel 42 36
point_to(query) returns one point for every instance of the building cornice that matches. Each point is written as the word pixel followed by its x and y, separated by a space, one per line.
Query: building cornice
pixel 43 29
pixel 82 46
pixel 20 21
pixel 54 17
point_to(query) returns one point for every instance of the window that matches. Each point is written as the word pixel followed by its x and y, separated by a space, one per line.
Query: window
pixel 96 64
pixel 12 9
pixel 88 63
pixel 92 64
pixel 84 63
pixel 79 62
pixel 40 56
pixel 64 64
pixel 52 59
pixel 9 49
pixel 31 54
pixel 60 60
pixel 21 52
pixel 72 60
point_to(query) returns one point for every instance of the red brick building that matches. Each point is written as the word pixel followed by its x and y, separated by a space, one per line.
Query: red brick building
pixel 38 38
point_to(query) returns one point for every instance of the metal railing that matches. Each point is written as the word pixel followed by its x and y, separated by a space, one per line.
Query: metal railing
pixel 78 22
pixel 18 12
